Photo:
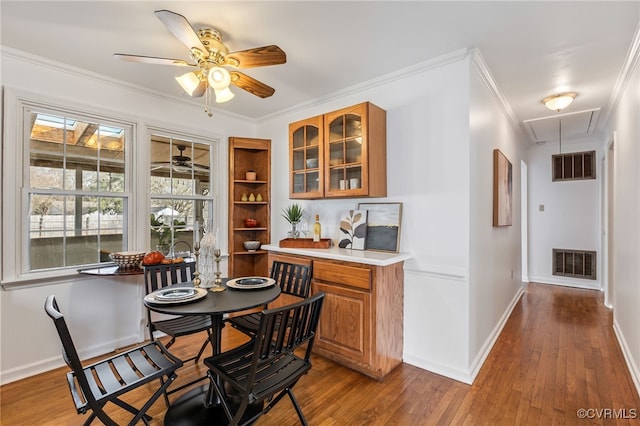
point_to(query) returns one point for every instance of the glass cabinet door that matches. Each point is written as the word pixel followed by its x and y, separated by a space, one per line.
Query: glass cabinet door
pixel 306 158
pixel 345 153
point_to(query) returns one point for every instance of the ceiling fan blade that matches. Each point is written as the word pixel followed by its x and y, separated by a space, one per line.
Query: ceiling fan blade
pixel 256 57
pixel 181 28
pixel 160 165
pixel 152 60
pixel 251 85
pixel 200 168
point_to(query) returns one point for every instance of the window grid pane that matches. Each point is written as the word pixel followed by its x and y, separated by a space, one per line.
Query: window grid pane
pixel 68 158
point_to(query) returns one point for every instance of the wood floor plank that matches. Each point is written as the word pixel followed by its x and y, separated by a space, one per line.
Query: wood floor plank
pixel 556 354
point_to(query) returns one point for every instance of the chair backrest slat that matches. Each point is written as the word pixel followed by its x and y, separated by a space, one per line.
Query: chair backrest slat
pixel 69 350
pixel 293 279
pixel 283 330
pixel 163 275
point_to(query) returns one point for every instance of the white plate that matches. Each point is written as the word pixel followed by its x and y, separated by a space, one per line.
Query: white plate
pixel 198 294
pixel 250 283
pixel 178 293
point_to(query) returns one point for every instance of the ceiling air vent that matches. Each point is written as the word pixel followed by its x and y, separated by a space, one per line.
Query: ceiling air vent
pixel 574 263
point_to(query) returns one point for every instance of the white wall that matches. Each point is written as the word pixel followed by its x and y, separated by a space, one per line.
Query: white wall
pixel 103 313
pixel 495 279
pixel 571 216
pixel 626 232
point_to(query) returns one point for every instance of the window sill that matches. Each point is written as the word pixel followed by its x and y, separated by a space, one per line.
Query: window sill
pixel 42 278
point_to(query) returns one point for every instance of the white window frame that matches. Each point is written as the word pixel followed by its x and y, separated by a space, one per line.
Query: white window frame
pixel 137 165
pixel 15 177
pixel 214 174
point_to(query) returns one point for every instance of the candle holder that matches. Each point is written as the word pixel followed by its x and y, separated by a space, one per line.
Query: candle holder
pixel 196 274
pixel 217 282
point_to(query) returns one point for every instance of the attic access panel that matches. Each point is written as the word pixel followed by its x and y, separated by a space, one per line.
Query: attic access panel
pixel 575 125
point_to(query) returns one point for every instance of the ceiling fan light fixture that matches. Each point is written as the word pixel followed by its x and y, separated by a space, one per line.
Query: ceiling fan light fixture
pixel 559 101
pixel 223 95
pixel 190 82
pixel 219 78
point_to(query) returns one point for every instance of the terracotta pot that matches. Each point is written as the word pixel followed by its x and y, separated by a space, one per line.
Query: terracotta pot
pixel 250 223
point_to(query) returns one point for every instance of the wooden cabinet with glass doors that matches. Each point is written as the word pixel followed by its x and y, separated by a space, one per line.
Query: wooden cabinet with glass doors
pixel 249 199
pixel 305 158
pixel 348 146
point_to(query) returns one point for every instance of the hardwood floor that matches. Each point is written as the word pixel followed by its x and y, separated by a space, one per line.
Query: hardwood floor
pixel 556 355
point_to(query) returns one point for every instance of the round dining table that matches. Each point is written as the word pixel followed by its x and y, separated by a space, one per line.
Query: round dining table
pixel 191 408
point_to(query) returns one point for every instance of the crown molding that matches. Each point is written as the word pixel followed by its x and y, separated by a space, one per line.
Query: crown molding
pixel 487 78
pixel 396 75
pixel 630 63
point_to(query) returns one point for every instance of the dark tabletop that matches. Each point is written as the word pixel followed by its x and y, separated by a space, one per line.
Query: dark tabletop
pixel 230 300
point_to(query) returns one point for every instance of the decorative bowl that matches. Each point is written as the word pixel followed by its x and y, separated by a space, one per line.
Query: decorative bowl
pixel 312 163
pixel 127 259
pixel 250 223
pixel 251 245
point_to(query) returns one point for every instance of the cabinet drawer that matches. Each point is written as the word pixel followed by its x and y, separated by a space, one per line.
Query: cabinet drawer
pixel 359 277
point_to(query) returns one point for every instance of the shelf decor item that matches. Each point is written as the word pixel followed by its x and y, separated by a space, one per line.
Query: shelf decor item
pixel 293 214
pixel 251 175
pixel 502 189
pixel 353 230
pixel 383 225
pixel 209 259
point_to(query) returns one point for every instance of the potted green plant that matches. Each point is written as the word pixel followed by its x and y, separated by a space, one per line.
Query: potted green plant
pixel 164 233
pixel 293 214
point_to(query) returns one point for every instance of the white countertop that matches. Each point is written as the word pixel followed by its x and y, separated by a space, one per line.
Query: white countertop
pixel 368 257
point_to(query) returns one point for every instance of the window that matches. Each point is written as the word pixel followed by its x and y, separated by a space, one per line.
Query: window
pixel 71 189
pixel 76 188
pixel 574 166
pixel 180 185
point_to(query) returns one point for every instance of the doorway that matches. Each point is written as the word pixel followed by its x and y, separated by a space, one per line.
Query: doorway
pixel 607 223
pixel 524 225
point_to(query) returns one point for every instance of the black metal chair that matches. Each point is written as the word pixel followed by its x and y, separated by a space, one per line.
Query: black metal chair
pixel 159 276
pixel 293 279
pixel 105 381
pixel 266 367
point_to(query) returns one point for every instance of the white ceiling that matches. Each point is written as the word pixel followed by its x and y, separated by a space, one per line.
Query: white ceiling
pixel 533 49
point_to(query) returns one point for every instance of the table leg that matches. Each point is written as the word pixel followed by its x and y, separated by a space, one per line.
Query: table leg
pixel 217 324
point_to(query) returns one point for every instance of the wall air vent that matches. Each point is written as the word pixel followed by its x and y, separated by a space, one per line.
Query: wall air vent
pixel 574 166
pixel 574 263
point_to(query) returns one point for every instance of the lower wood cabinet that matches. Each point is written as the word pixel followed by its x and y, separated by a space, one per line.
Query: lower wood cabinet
pixel 361 325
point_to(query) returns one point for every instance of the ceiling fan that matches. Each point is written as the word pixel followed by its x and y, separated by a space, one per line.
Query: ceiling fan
pixel 210 56
pixel 180 163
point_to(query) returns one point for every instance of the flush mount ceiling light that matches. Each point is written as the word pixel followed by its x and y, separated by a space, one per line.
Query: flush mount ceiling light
pixel 560 101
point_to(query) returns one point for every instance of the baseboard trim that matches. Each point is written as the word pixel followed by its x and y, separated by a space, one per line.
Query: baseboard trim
pixel 443 370
pixel 587 284
pixel 467 376
pixel 628 357
pixel 477 363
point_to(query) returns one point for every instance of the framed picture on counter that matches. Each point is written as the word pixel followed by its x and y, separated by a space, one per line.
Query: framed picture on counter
pixel 383 226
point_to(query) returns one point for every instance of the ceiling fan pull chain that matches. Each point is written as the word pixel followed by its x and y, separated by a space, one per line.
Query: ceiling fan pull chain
pixel 207 95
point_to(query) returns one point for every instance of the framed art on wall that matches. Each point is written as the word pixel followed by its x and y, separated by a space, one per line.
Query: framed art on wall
pixel 353 229
pixel 383 225
pixel 502 189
